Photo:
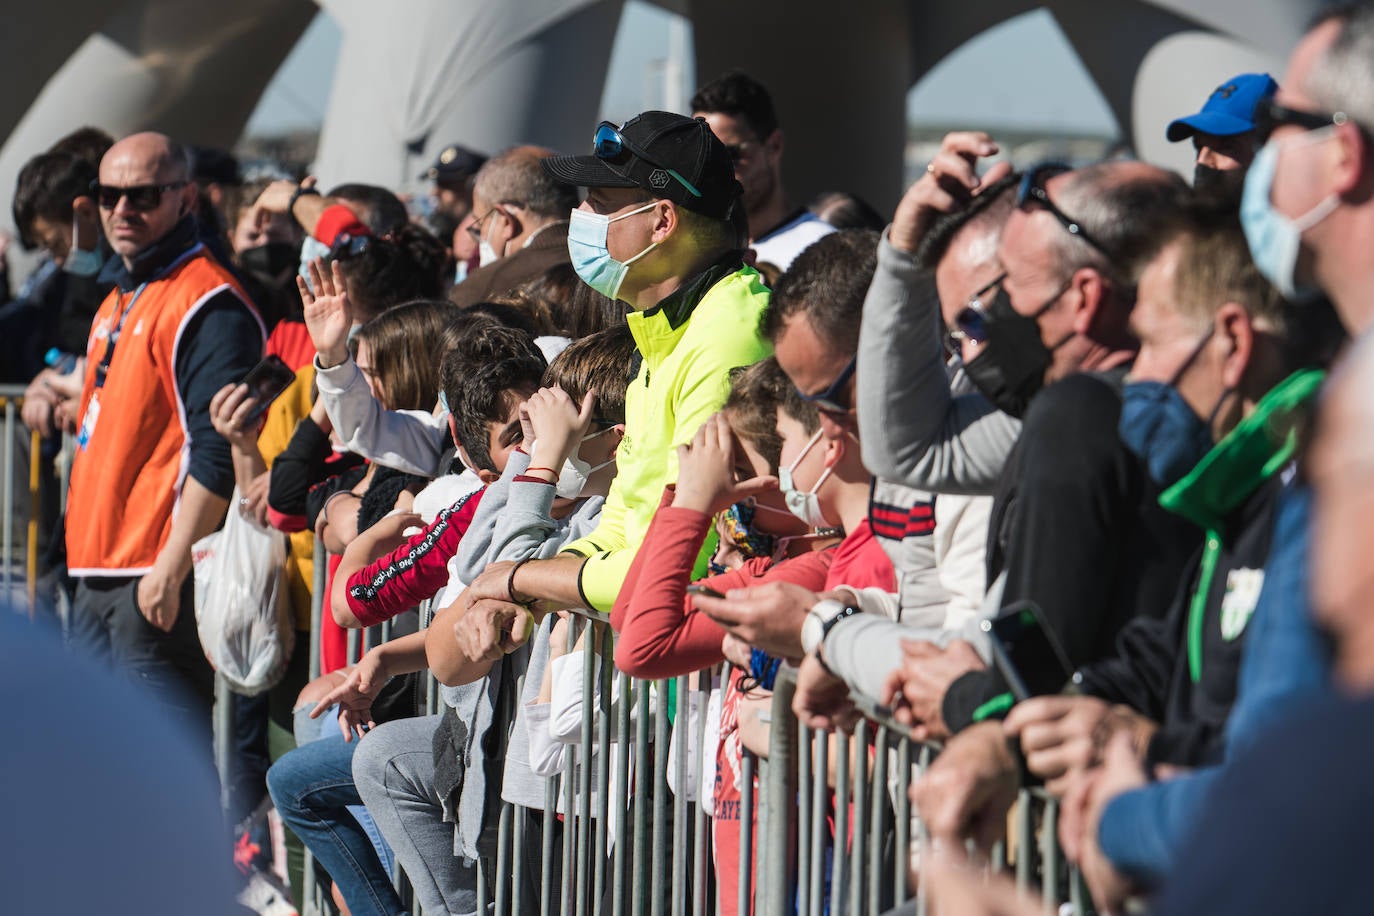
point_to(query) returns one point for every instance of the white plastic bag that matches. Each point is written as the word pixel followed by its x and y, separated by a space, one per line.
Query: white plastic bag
pixel 242 611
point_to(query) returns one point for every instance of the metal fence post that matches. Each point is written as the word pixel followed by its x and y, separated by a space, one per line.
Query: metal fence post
pixel 781 801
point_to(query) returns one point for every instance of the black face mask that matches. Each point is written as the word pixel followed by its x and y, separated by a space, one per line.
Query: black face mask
pixel 1011 367
pixel 1222 185
pixel 271 262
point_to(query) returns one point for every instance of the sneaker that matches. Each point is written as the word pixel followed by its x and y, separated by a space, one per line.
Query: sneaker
pixel 265 895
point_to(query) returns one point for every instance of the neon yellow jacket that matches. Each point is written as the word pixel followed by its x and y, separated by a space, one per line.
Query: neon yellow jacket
pixel 690 341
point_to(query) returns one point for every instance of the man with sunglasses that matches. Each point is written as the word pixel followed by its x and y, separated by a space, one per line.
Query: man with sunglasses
pixel 660 231
pixel 1308 207
pixel 519 224
pixel 151 476
pixel 741 114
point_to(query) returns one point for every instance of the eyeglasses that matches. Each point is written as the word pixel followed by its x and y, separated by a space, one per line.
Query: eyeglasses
pixel 1032 193
pixel 348 246
pixel 1270 115
pixel 829 400
pixel 143 197
pixel 609 143
pixel 739 151
pixel 971 321
pixel 475 229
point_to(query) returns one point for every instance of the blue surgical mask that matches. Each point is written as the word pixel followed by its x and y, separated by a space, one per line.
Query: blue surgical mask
pixel 311 249
pixel 81 263
pixel 590 257
pixel 1275 239
pixel 1160 429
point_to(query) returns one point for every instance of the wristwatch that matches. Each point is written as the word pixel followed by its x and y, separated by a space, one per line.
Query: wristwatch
pixel 301 191
pixel 821 619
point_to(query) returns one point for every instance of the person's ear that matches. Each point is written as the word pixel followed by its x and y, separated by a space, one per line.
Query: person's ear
pixel 774 145
pixel 453 432
pixel 488 477
pixel 616 434
pixel 1090 290
pixel 1354 162
pixel 834 451
pixel 665 220
pixel 1236 334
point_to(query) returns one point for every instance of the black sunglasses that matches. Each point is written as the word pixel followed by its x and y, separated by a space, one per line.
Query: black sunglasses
pixel 829 400
pixel 143 197
pixel 609 143
pixel 1270 115
pixel 738 151
pixel 348 246
pixel 1032 193
pixel 971 321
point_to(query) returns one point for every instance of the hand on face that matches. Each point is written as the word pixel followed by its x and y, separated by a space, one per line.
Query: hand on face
pixel 706 471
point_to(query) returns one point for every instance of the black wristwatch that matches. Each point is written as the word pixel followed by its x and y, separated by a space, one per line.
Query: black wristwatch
pixel 301 191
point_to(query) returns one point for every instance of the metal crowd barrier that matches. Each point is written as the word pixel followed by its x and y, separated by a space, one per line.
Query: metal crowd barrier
pixel 834 822
pixel 20 567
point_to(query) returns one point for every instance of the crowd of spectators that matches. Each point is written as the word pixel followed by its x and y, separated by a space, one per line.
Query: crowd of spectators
pixel 1063 469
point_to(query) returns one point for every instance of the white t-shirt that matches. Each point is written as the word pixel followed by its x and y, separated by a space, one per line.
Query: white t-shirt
pixel 783 244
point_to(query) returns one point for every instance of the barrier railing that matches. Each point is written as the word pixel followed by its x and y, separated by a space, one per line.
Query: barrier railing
pixel 19 566
pixel 835 827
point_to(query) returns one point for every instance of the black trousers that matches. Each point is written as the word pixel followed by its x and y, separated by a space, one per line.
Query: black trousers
pixel 107 624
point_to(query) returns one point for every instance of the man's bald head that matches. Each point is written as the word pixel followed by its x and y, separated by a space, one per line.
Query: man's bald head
pixel 168 159
pixel 157 169
pixel 1124 205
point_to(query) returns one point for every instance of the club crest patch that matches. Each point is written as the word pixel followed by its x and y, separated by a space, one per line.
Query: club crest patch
pixel 658 179
pixel 1243 588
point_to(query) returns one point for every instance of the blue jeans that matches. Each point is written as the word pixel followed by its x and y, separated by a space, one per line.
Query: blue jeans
pixel 313 788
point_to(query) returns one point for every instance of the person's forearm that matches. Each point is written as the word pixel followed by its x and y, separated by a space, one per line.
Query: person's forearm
pixel 199 513
pixel 377 541
pixel 446 660
pixel 404 655
pixel 553 582
pixel 248 466
pixel 308 209
pixel 913 430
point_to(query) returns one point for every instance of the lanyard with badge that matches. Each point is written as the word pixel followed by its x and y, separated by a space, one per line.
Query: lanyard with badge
pixel 102 370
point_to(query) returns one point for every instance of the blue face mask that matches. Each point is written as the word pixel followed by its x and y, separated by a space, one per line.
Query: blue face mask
pixel 311 249
pixel 1160 429
pixel 81 263
pixel 1274 239
pixel 590 257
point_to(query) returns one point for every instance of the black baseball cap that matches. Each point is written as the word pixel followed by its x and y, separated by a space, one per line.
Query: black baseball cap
pixel 454 164
pixel 669 155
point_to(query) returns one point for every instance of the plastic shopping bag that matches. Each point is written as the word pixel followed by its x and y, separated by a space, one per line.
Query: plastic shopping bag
pixel 242 611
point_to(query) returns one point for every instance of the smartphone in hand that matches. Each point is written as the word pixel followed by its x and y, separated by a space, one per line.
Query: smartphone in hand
pixel 696 589
pixel 266 381
pixel 1026 652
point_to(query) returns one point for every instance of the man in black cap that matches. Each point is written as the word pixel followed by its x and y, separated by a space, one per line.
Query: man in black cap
pixel 452 174
pixel 661 230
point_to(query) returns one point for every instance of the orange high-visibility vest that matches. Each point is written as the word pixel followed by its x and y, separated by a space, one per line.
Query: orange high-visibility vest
pixel 133 451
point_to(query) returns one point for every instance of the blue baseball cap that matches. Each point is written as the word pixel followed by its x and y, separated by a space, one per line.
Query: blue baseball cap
pixel 1229 110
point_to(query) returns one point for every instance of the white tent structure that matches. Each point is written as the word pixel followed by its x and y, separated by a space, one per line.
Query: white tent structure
pixel 415 75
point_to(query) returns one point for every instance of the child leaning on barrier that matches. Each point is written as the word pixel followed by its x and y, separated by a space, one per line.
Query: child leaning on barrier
pixel 521 515
pixel 662 634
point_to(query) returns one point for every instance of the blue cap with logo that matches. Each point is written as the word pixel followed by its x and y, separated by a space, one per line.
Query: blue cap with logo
pixel 1229 110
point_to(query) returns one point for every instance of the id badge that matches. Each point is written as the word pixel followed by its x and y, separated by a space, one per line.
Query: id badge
pixel 83 435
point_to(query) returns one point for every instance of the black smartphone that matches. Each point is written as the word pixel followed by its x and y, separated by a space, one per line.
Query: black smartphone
pixel 1026 652
pixel 696 589
pixel 266 381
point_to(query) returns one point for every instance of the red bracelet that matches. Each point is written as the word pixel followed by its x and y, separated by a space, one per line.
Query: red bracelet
pixel 550 470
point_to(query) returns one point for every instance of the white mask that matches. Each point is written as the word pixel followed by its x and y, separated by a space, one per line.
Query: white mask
pixel 486 254
pixel 805 506
pixel 573 476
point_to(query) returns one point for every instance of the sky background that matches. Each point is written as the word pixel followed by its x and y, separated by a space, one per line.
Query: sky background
pixel 1051 91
